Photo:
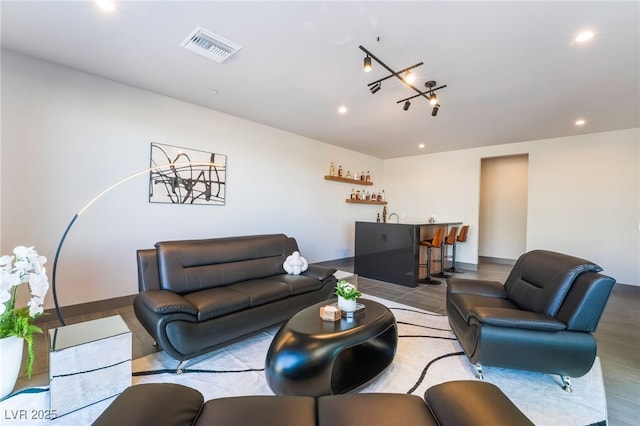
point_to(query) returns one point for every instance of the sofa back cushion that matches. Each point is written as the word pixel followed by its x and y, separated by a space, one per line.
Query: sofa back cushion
pixel 192 265
pixel 540 280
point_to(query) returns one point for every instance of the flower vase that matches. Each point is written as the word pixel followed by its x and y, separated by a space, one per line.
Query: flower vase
pixel 346 305
pixel 10 361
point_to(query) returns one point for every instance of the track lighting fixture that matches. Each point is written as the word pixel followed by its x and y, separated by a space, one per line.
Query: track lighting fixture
pixel 367 63
pixel 407 78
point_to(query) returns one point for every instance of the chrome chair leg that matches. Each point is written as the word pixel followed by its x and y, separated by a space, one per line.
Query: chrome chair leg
pixel 180 368
pixel 479 374
pixel 566 383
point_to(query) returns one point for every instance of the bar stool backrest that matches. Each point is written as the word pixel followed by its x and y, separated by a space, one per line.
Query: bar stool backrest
pixel 438 238
pixel 451 238
pixel 462 237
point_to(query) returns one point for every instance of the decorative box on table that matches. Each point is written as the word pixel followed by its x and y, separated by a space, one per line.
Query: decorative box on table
pixel 88 363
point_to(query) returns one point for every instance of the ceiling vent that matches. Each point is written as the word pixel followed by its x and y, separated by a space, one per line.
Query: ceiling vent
pixel 210 45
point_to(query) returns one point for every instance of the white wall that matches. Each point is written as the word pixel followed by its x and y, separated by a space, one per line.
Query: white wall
pixel 67 135
pixel 584 195
pixel 502 228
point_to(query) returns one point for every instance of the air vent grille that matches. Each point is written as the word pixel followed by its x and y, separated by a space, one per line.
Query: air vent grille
pixel 210 45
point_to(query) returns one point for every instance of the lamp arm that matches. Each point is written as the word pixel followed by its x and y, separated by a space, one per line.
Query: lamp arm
pixel 86 206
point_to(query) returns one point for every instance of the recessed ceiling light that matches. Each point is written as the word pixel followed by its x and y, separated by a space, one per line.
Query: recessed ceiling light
pixel 581 122
pixel 421 146
pixel 342 109
pixel 584 36
pixel 106 5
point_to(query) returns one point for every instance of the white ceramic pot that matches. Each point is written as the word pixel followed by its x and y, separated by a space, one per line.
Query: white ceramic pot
pixel 10 361
pixel 346 305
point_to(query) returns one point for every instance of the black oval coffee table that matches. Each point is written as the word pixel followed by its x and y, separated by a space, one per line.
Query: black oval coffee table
pixel 312 357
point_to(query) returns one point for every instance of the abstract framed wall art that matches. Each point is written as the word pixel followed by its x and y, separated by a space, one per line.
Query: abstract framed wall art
pixel 186 176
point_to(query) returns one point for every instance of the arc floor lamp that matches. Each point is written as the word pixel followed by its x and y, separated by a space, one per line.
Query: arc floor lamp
pixel 173 166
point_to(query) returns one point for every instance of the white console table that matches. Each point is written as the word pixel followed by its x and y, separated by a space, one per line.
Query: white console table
pixel 88 363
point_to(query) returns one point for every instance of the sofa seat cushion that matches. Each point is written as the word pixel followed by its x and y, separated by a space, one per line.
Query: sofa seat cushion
pixel 374 409
pixel 465 303
pixel 299 284
pixel 264 410
pixel 216 302
pixel 262 291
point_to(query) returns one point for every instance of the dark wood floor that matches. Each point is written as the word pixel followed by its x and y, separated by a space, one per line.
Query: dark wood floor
pixel 618 333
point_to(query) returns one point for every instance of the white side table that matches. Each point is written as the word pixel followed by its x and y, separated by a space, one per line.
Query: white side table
pixel 350 277
pixel 88 363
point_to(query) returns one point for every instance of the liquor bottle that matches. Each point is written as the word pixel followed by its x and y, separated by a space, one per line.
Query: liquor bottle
pixel 332 169
pixel 384 214
pixel 353 194
pixel 340 171
pixel 384 197
pixel 368 177
pixel 378 219
pixel 362 176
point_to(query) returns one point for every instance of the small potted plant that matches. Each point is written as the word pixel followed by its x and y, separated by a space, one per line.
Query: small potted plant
pixel 347 294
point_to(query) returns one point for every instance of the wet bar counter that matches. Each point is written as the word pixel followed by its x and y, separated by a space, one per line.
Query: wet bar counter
pixel 391 252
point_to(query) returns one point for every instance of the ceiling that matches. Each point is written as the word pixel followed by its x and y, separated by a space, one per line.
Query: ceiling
pixel 513 69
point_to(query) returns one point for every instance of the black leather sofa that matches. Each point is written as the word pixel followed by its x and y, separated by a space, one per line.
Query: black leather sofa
pixel 468 403
pixel 541 319
pixel 196 295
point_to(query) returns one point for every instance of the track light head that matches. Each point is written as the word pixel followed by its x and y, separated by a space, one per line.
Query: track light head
pixel 375 87
pixel 406 106
pixel 433 99
pixel 435 110
pixel 409 77
pixel 367 63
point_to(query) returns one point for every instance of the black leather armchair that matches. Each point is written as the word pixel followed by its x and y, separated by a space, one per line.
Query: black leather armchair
pixel 541 319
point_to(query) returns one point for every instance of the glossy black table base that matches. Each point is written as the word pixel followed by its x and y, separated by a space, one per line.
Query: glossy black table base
pixel 312 357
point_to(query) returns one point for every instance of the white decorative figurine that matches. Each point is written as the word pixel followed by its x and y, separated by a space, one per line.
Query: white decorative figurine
pixel 295 264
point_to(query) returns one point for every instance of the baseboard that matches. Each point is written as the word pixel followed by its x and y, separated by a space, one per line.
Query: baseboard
pixel 498 260
pixel 464 266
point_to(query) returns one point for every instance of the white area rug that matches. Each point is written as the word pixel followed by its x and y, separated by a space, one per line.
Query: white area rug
pixel 427 354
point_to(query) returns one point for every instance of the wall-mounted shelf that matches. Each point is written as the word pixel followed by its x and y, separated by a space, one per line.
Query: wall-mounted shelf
pixel 351 181
pixel 349 200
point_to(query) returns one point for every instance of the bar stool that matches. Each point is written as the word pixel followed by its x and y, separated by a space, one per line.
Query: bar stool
pixel 450 241
pixel 436 241
pixel 440 244
pixel 462 237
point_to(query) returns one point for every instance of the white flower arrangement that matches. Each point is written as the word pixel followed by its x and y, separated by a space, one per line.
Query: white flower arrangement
pixel 26 266
pixel 347 290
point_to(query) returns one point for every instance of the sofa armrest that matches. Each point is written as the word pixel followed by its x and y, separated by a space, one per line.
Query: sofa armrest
pixel 473 403
pixel 166 302
pixel 153 404
pixel 319 272
pixel 515 318
pixel 478 287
